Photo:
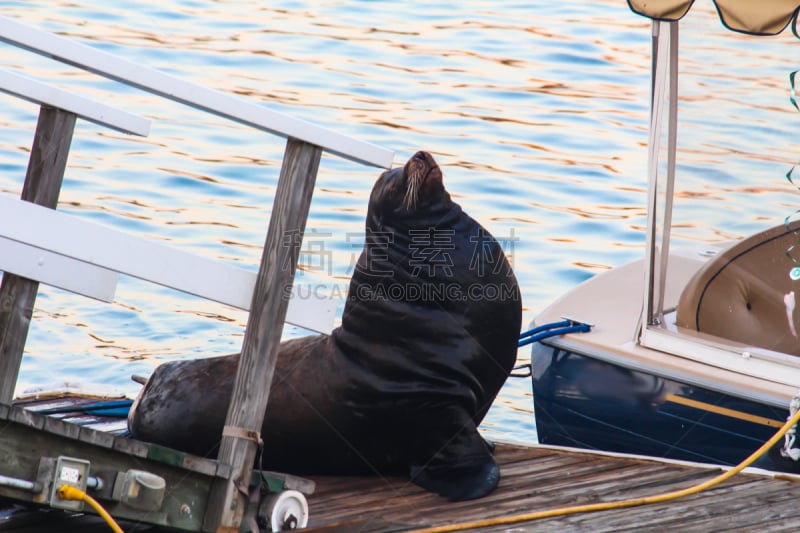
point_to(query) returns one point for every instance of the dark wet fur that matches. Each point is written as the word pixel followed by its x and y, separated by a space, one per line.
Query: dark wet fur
pixel 400 386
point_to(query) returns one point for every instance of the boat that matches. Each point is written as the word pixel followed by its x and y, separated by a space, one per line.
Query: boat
pixel 691 352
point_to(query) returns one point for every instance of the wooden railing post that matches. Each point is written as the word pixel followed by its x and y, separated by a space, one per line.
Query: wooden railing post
pixel 228 498
pixel 43 180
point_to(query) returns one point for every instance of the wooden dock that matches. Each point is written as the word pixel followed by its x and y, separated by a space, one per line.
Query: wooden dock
pixel 534 478
pixel 542 478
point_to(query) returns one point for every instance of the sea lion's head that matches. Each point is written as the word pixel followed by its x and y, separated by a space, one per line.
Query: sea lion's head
pixel 409 189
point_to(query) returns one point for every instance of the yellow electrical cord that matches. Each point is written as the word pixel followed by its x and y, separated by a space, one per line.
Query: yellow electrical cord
pixel 620 504
pixel 67 492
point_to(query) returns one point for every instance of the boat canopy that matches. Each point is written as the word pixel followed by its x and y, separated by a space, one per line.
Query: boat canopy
pixel 755 17
pixel 663 325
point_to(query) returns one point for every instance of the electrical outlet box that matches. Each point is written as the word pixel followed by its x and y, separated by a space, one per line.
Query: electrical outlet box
pixel 73 472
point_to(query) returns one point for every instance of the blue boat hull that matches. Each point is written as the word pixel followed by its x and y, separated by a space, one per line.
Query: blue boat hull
pixel 586 403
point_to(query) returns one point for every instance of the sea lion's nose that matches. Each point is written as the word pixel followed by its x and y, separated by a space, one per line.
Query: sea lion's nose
pixel 423 156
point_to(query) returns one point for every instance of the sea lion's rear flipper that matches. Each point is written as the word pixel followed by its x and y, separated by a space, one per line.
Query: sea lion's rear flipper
pixel 458 483
pixel 460 468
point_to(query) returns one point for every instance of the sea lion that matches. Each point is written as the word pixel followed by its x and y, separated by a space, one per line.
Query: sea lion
pixel 428 336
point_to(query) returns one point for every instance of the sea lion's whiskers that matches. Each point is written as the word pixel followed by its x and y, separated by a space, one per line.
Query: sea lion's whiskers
pixel 410 199
pixel 412 190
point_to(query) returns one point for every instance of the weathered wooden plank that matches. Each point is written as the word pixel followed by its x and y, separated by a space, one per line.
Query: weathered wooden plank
pixel 555 498
pixel 621 484
pixel 199 464
pixel 746 502
pixel 533 492
pixel 412 502
pixel 357 525
pixel 526 454
pixel 290 482
pixel 59 427
pixel 26 418
pixel 552 466
pixel 131 447
pixel 557 474
pixel 224 470
pixel 45 173
pixel 46 404
pixel 766 516
pixel 370 497
pixel 114 427
pixel 22 448
pixel 331 487
pixel 773 526
pixel 98 438
pixel 265 323
pixel 678 475
pixel 381 503
pixel 721 503
pixel 340 494
pixel 646 483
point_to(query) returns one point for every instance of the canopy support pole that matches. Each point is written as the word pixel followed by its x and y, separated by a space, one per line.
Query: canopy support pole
pixel 660 192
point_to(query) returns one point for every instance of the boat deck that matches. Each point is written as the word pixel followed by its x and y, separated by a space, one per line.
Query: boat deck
pixel 534 478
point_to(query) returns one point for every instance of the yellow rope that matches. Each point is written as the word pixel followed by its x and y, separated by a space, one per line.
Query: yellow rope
pixel 659 498
pixel 67 492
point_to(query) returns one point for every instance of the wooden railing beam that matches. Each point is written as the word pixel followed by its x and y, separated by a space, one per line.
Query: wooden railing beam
pixel 262 336
pixel 46 166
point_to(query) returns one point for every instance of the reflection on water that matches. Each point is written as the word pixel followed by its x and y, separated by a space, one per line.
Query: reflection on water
pixel 537 112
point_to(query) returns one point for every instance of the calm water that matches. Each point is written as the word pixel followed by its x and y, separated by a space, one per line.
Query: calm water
pixel 537 112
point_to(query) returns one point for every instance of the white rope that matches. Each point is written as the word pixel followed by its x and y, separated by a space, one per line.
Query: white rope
pixel 788 451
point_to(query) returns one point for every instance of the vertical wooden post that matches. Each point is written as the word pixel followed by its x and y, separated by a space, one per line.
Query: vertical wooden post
pixel 228 498
pixel 43 180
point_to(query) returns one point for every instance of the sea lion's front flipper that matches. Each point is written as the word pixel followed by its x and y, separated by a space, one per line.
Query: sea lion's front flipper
pixel 461 469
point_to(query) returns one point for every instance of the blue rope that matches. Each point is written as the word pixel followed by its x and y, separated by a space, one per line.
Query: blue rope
pixel 114 408
pixel 545 327
pixel 546 331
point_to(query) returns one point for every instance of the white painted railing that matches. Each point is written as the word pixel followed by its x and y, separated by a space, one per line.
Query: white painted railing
pixel 91 270
pixel 91 110
pixel 232 107
pixel 83 257
pixel 60 250
pixel 57 248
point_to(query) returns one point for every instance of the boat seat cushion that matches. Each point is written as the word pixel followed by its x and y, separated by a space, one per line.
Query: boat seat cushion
pixel 744 294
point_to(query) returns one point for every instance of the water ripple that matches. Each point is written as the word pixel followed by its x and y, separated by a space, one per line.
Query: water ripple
pixel 537 111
